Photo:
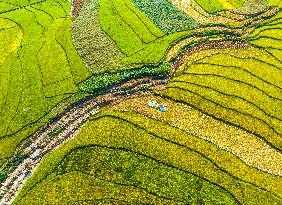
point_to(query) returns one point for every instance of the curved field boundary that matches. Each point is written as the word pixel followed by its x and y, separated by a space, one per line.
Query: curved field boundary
pixel 136 172
pixel 164 151
pixel 270 74
pixel 206 49
pixel 190 59
pixel 127 29
pixel 77 185
pixel 32 104
pixel 267 42
pixel 63 128
pixel 264 31
pixel 226 137
pixel 242 120
pixel 229 102
pixel 225 75
pixel 150 125
pixel 267 107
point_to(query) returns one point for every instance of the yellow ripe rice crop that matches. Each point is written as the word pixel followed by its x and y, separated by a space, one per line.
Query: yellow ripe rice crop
pixel 226 137
pixel 77 186
pixel 11 35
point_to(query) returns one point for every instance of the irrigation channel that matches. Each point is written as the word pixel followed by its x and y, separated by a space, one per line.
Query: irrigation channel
pixel 69 124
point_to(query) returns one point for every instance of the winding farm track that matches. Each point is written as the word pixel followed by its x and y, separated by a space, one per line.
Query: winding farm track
pixel 69 124
pixel 41 143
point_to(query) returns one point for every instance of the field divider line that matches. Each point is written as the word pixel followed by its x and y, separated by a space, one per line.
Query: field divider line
pixel 188 148
pixel 239 68
pixel 228 95
pixel 235 80
pixel 22 7
pixel 114 7
pixel 221 119
pixel 224 107
pixel 204 138
pixel 68 126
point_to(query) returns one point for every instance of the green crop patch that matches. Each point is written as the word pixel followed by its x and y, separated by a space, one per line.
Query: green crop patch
pixel 39 65
pixel 268 36
pixel 125 167
pixel 167 17
pixel 51 69
pixel 234 85
pixel 75 187
pixel 211 6
pixel 98 84
pixel 151 55
pixel 275 3
pixel 127 39
pixel 13 34
pixel 140 102
pixel 143 143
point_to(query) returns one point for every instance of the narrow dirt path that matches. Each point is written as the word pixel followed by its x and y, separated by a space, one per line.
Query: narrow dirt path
pixel 42 142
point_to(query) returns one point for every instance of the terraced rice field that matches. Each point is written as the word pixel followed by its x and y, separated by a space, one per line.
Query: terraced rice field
pixel 39 67
pixel 212 67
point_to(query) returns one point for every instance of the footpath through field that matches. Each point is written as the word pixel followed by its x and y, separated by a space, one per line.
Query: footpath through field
pixel 69 125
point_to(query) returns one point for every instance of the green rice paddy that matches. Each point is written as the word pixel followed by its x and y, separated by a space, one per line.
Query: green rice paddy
pixel 220 98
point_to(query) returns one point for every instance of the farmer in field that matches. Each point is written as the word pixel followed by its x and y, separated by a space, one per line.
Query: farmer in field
pixel 162 108
pixel 153 104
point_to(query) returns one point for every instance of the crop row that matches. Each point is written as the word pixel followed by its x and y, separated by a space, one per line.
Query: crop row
pixel 153 145
pixel 42 70
pixel 229 138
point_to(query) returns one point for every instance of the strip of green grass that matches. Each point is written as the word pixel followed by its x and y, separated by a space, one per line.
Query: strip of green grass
pixel 76 64
pixel 124 26
pixel 140 23
pixel 154 52
pixel 98 84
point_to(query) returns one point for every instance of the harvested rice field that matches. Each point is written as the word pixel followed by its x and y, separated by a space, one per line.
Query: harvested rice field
pixel 140 102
